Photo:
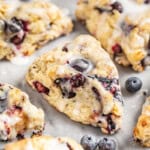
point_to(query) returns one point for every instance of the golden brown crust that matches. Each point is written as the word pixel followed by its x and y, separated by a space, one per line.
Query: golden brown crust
pixel 17 114
pixel 41 22
pixel 125 36
pixel 44 143
pixel 142 130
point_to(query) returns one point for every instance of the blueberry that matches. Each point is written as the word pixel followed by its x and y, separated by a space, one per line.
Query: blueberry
pixel 133 84
pixel 40 87
pixel 106 144
pixel 117 6
pixel 88 142
pixel 127 28
pixel 81 65
pixel 147 1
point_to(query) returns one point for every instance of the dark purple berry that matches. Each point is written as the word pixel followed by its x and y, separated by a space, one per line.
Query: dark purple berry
pixel 117 6
pixel 81 65
pixel 116 48
pixel 127 28
pixel 147 1
pixel 77 80
pixel 111 125
pixel 68 84
pixel 133 84
pixel 17 22
pixel 148 45
pixel 3 101
pixel 107 144
pixel 40 87
pixel 88 142
pixel 65 49
pixel 103 9
pixel 97 94
pixel 17 40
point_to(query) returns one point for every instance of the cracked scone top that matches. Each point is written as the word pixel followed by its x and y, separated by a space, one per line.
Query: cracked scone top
pixel 44 143
pixel 80 80
pixel 142 129
pixel 17 114
pixel 25 27
pixel 123 27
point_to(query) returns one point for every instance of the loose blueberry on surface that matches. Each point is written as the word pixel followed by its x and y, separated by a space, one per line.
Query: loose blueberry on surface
pixel 88 142
pixel 118 6
pixel 133 84
pixel 107 144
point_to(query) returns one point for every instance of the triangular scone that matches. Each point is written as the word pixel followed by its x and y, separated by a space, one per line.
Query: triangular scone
pixel 26 26
pixel 142 130
pixel 17 114
pixel 80 80
pixel 44 143
pixel 122 31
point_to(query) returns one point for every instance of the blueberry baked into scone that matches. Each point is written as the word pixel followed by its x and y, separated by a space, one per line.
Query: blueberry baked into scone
pixel 25 27
pixel 80 80
pixel 17 114
pixel 44 143
pixel 122 27
pixel 142 130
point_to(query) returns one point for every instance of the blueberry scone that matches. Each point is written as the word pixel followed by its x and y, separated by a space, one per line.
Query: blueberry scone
pixel 80 80
pixel 25 27
pixel 142 129
pixel 17 114
pixel 44 143
pixel 122 27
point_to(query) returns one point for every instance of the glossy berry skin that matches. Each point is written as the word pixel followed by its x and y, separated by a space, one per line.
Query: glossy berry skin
pixel 106 144
pixel 133 84
pixel 88 142
pixel 118 6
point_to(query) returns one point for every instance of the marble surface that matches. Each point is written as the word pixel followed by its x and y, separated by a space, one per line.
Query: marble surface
pixel 58 124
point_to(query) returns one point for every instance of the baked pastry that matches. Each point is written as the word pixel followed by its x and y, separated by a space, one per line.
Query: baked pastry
pixel 25 27
pixel 80 80
pixel 17 114
pixel 123 28
pixel 143 1
pixel 142 130
pixel 44 143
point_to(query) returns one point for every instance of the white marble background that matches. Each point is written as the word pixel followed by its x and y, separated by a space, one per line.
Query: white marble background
pixel 58 124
